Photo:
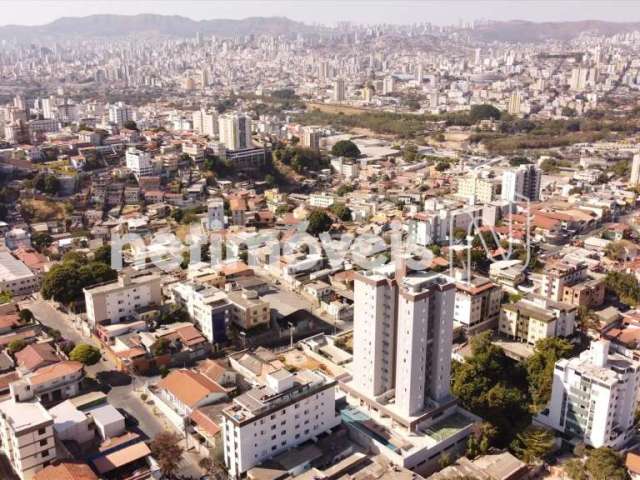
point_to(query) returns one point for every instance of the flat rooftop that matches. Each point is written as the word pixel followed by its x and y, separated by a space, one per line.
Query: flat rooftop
pixel 25 415
pixel 12 269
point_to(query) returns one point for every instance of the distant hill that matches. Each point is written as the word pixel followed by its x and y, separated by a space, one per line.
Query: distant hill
pixel 122 25
pixel 523 31
pixel 101 26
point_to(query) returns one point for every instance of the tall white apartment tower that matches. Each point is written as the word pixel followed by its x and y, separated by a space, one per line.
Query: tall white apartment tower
pixel 374 325
pixel 634 179
pixel 235 131
pixel 403 337
pixel 524 182
pixel 424 339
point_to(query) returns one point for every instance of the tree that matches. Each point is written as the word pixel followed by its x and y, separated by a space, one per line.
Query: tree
pixel 85 354
pixel 493 387
pixel 540 368
pixel 130 125
pixel 270 180
pixel 624 285
pixel 16 345
pixel 103 254
pixel 341 211
pixel 575 469
pixel 605 464
pixel 51 185
pixel 442 166
pixel 410 152
pixel 5 297
pixel 64 282
pixel 166 450
pixel 483 112
pixel 345 148
pixel 616 251
pixel 344 189
pixel 215 470
pixel 41 240
pixel 319 222
pixel 26 315
pixel 534 443
pixel 160 347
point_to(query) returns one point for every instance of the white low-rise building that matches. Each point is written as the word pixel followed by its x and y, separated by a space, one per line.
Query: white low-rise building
pixel 15 277
pixel 594 398
pixel 289 409
pixel 26 431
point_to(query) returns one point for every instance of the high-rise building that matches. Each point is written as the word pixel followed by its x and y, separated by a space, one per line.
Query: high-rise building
pixel 119 114
pixel 339 94
pixel 594 397
pixel 634 179
pixel 402 338
pixel 388 84
pixel 522 183
pixel 235 131
pixel 311 138
pixel 514 106
pixel 205 123
pixel 401 370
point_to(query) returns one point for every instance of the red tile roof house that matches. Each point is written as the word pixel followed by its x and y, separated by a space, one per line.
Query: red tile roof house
pixel 183 391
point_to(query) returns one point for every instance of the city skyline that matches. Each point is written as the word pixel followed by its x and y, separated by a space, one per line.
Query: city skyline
pixel 324 12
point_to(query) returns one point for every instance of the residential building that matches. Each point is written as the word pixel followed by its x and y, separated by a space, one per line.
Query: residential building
pixel 50 384
pixel 339 90
pixel 279 414
pixel 556 276
pixel 321 200
pixel 215 214
pixel 400 375
pixel 311 138
pixel 139 162
pixel 477 189
pixel 634 178
pixel 26 431
pixel 477 302
pixel 66 471
pixel 235 131
pixel 594 398
pixel 587 293
pixel 208 307
pixel 15 277
pixel 205 123
pixel 534 318
pixel 522 183
pixel 115 302
pixel 185 391
pixel 248 309
pixel 120 114
pixel 248 160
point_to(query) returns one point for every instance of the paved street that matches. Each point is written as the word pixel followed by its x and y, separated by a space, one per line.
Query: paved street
pixel 119 396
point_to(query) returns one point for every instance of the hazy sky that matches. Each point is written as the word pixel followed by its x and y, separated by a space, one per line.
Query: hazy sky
pixel 34 12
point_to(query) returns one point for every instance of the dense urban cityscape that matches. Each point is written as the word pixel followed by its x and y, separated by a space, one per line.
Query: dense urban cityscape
pixel 272 250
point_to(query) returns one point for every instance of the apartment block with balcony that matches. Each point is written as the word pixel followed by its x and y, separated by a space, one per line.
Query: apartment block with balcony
pixel 534 318
pixel 283 412
pixel 118 301
pixel 594 398
pixel 26 434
